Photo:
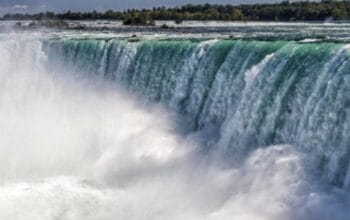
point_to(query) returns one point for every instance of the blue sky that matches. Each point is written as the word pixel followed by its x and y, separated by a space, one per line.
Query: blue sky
pixel 84 5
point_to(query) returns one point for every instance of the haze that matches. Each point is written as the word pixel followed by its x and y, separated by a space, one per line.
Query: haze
pixel 30 6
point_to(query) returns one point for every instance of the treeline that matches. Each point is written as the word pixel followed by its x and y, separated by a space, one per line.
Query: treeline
pixel 283 11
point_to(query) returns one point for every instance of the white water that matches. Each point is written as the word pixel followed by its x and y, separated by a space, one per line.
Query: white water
pixel 73 149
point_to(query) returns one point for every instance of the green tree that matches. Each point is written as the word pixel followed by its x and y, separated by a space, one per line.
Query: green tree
pixel 237 14
pixel 339 13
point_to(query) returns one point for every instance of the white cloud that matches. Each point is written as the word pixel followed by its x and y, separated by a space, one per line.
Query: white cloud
pixel 20 7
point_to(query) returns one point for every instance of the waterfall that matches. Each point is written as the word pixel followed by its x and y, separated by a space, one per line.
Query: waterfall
pixel 256 93
pixel 118 128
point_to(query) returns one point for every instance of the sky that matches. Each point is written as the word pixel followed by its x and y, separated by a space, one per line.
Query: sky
pixel 21 6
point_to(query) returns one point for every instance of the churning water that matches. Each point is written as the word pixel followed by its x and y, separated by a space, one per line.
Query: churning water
pixel 113 128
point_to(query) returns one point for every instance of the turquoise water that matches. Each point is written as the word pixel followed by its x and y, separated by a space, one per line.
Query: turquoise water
pixel 101 126
pixel 254 93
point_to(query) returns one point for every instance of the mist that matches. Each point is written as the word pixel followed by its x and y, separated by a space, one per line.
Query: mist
pixel 74 147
